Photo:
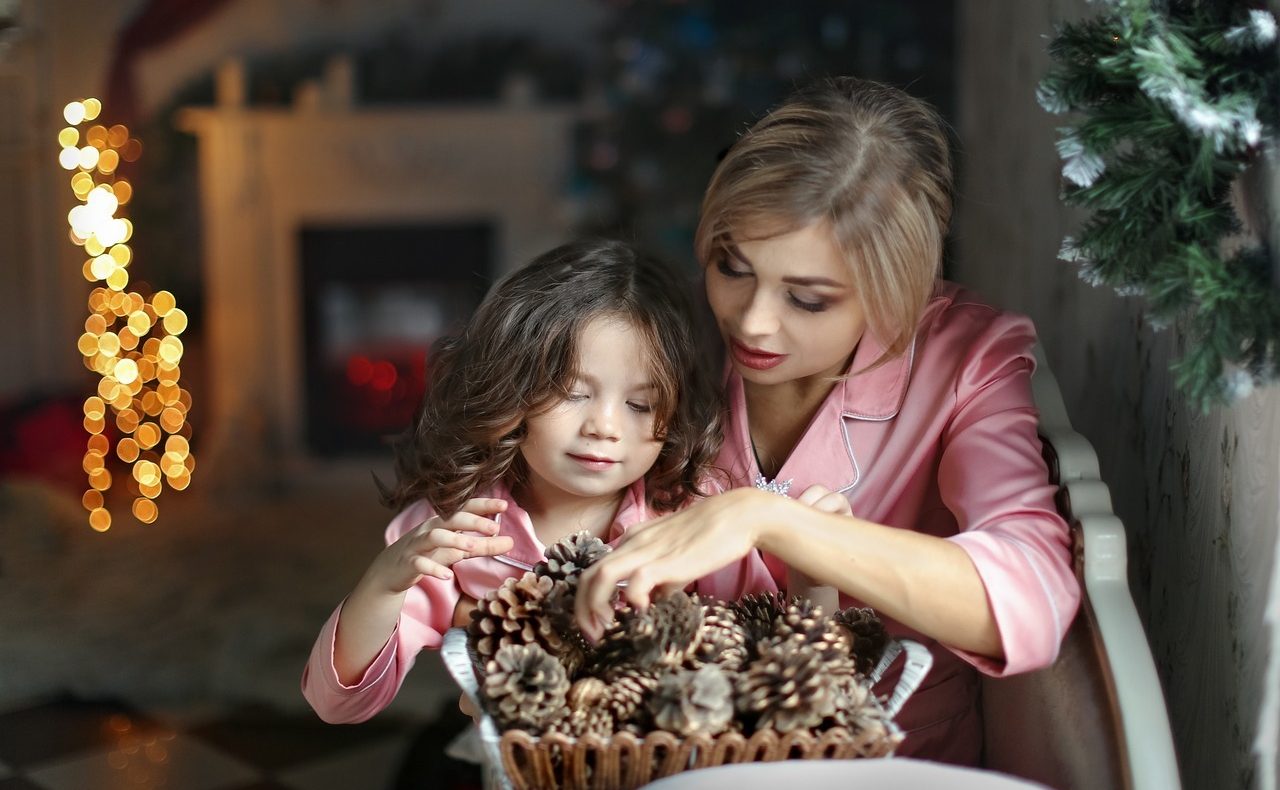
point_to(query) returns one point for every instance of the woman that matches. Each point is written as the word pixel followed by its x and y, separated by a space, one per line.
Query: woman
pixel 855 372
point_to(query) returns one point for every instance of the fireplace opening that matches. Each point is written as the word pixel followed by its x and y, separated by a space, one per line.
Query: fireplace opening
pixel 375 299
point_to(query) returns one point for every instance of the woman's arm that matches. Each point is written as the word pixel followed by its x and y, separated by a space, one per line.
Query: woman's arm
pixel 924 582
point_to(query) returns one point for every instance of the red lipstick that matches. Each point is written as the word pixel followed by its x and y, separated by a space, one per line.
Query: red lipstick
pixel 755 358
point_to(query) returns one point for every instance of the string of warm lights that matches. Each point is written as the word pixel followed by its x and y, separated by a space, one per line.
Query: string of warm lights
pixel 130 341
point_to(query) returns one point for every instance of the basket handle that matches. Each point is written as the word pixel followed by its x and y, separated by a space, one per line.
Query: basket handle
pixel 457 658
pixel 918 663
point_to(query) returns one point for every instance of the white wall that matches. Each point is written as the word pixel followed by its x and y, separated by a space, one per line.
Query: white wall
pixel 1199 494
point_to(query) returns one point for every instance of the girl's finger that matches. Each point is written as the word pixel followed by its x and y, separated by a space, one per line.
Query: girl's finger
pixel 428 567
pixel 470 522
pixel 482 506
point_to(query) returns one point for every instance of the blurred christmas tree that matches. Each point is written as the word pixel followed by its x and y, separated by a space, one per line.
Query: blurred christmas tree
pixel 1173 101
pixel 679 81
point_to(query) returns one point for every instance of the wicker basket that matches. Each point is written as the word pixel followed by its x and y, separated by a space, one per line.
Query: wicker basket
pixel 516 760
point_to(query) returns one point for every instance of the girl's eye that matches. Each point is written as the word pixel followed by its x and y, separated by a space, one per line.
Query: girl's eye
pixel 576 396
pixel 727 270
pixel 639 408
pixel 809 307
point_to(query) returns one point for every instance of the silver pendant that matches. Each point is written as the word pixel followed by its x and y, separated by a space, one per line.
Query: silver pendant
pixel 781 487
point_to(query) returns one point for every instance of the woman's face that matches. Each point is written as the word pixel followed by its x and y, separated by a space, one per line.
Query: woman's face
pixel 786 306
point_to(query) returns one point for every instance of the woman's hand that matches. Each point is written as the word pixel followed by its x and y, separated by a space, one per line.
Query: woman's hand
pixel 436 544
pixel 826 500
pixel 670 552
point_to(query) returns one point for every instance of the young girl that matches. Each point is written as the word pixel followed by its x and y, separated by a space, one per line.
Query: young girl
pixel 853 367
pixel 573 400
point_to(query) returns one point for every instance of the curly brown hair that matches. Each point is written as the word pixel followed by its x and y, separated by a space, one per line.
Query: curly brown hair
pixel 517 357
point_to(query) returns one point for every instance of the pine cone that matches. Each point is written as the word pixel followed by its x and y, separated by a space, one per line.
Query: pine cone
pixel 568 557
pixel 664 635
pixel 867 636
pixel 802 619
pixel 589 713
pixel 790 686
pixel 526 687
pixel 758 613
pixel 527 611
pixel 688 702
pixel 580 723
pixel 627 692
pixel 724 640
pixel 856 707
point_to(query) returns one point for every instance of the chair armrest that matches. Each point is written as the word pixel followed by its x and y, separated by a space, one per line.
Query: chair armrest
pixel 1102 565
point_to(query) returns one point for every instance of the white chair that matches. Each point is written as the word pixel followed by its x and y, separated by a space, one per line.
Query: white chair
pixel 1095 719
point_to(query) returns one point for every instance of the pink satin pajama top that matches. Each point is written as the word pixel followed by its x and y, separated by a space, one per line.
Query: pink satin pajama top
pixel 942 440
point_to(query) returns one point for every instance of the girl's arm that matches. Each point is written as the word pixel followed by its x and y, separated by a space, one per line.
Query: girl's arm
pixel 404 601
pixel 372 610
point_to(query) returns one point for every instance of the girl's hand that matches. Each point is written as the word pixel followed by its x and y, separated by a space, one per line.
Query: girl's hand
pixel 826 500
pixel 672 551
pixel 437 543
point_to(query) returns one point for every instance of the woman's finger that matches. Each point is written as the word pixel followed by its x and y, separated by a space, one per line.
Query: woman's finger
pixel 812 494
pixel 834 503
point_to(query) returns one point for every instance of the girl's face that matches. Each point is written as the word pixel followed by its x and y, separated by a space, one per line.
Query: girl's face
pixel 600 439
pixel 786 306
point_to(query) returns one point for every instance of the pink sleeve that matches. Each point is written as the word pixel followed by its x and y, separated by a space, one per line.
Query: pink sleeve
pixel 427 613
pixel 993 478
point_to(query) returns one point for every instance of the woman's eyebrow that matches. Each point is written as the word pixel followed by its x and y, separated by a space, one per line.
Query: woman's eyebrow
pixel 804 281
pixel 801 281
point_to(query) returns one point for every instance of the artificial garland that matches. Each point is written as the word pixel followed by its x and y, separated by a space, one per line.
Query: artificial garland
pixel 1175 99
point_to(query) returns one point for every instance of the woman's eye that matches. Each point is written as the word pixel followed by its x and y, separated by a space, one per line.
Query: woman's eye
pixel 639 408
pixel 576 396
pixel 727 270
pixel 810 307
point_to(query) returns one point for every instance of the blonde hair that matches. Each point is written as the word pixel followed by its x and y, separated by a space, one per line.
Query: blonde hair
pixel 867 159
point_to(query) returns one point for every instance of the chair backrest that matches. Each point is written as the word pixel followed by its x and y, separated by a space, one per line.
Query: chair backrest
pixel 1096 718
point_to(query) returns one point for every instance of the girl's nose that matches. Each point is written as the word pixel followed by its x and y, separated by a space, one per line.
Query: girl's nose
pixel 602 423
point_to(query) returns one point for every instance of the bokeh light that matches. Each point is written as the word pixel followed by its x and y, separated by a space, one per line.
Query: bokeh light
pixel 129 340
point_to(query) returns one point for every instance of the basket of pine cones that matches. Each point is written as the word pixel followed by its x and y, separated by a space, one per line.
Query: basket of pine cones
pixel 688 683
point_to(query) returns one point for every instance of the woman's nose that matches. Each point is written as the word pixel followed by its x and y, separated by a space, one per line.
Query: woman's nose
pixel 758 317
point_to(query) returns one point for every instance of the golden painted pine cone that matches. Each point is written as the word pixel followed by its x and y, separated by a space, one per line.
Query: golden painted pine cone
pixel 525 687
pixel 693 701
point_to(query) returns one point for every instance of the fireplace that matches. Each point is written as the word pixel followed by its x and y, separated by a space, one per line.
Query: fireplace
pixel 338 240
pixel 374 300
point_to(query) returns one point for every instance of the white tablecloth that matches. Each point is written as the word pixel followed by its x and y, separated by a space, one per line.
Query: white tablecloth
pixel 898 773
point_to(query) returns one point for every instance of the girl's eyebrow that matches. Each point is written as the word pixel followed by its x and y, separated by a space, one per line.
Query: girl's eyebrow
pixel 587 378
pixel 801 281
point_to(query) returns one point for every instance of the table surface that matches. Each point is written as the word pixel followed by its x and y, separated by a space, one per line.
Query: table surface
pixel 901 773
